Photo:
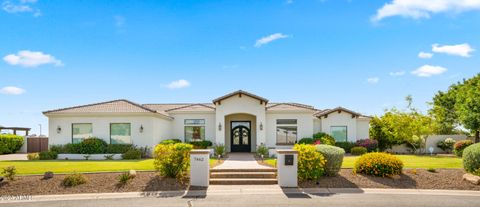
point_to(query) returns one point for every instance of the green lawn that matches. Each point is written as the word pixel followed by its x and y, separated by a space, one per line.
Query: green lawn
pixel 413 161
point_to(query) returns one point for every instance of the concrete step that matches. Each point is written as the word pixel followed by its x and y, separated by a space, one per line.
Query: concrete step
pixel 245 170
pixel 271 175
pixel 242 181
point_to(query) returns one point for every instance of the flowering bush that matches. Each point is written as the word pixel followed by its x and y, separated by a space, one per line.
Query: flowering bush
pixel 471 159
pixel 172 160
pixel 334 157
pixel 446 145
pixel 459 146
pixel 311 164
pixel 370 144
pixel 358 150
pixel 378 164
pixel 324 138
pixel 305 141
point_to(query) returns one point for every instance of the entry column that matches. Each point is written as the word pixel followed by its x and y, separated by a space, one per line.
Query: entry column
pixel 287 168
pixel 199 168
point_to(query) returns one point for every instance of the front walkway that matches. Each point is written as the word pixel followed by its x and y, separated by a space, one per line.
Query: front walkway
pixel 13 157
pixel 240 161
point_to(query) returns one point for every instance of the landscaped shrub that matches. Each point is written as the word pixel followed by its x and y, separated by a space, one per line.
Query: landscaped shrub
pixel 172 160
pixel 306 141
pixel 10 172
pixel 347 146
pixel 324 138
pixel 124 178
pixel 378 164
pixel 93 145
pixel 118 148
pixel 471 159
pixel 201 144
pixel 171 141
pixel 219 149
pixel 334 157
pixel 358 150
pixel 370 144
pixel 459 146
pixel 132 154
pixel 10 143
pixel 48 155
pixel 446 145
pixel 71 148
pixel 74 180
pixel 59 149
pixel 262 150
pixel 311 164
pixel 33 156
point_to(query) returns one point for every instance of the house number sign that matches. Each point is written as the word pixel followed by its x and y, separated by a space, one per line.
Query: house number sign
pixel 200 159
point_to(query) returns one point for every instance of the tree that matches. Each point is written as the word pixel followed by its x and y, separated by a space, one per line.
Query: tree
pixel 467 105
pixel 443 111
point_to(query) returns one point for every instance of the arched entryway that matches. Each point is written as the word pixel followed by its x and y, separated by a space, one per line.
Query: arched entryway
pixel 240 132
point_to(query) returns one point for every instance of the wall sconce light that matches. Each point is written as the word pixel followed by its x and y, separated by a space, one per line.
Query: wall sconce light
pixel 59 129
pixel 141 128
pixel 261 126
pixel 219 126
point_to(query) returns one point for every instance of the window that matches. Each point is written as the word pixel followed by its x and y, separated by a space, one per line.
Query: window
pixel 339 133
pixel 80 132
pixel 286 131
pixel 120 133
pixel 194 129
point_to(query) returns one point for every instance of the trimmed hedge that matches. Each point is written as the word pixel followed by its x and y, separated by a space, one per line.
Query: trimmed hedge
pixel 378 164
pixel 93 145
pixel 334 156
pixel 47 155
pixel 358 150
pixel 10 143
pixel 347 146
pixel 132 154
pixel 471 159
pixel 201 144
pixel 459 146
pixel 78 148
pixel 311 164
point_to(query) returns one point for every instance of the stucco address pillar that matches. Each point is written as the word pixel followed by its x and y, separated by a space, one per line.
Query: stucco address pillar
pixel 199 168
pixel 287 166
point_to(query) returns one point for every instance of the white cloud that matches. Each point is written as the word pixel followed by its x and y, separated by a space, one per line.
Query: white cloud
pixel 463 50
pixel 425 55
pixel 269 38
pixel 178 84
pixel 429 70
pixel 21 6
pixel 12 90
pixel 417 9
pixel 397 73
pixel 289 2
pixel 28 58
pixel 373 80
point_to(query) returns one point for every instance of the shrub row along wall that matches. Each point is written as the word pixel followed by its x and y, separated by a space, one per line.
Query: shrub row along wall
pixel 10 143
pixel 432 141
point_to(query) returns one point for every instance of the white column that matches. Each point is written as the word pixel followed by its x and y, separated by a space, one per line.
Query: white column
pixel 287 174
pixel 199 168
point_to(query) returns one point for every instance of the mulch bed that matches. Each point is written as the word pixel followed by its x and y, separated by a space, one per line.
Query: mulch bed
pixel 96 183
pixel 450 179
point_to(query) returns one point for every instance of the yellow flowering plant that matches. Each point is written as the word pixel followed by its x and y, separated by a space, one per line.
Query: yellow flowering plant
pixel 172 160
pixel 378 164
pixel 311 164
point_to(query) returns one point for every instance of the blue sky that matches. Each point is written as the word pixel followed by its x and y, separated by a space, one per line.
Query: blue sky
pixel 326 53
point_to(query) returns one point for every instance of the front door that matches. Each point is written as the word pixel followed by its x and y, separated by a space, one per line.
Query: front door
pixel 240 136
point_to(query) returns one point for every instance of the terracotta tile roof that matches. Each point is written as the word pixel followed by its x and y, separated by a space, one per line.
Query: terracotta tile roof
pixel 289 107
pixel 239 92
pixel 115 106
pixel 329 111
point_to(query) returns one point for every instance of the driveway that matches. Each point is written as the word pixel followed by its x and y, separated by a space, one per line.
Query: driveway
pixel 13 157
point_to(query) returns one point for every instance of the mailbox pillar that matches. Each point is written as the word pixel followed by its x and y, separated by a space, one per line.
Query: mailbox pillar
pixel 287 166
pixel 199 168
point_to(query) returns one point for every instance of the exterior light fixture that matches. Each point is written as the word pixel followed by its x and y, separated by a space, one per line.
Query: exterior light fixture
pixel 141 128
pixel 219 126
pixel 59 129
pixel 261 126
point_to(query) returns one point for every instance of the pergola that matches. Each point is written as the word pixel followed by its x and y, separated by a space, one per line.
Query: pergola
pixel 15 129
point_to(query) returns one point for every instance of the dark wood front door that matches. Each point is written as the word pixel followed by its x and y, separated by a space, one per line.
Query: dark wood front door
pixel 240 136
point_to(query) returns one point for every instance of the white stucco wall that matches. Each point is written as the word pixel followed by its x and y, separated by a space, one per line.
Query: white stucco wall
pixel 240 105
pixel 317 125
pixel 154 128
pixel 178 124
pixel 341 119
pixel 363 126
pixel 304 125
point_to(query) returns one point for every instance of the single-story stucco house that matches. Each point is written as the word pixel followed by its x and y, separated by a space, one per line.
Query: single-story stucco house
pixel 239 120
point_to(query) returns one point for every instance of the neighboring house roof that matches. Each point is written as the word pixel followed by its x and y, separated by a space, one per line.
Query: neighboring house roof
pixel 115 106
pixel 338 109
pixel 289 107
pixel 240 93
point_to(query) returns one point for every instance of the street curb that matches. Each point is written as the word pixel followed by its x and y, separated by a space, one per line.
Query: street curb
pixel 238 190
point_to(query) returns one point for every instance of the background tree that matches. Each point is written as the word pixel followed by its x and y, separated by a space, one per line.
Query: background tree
pixel 443 111
pixel 467 105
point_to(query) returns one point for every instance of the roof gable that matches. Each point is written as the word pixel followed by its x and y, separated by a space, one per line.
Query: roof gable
pixel 240 93
pixel 289 107
pixel 325 113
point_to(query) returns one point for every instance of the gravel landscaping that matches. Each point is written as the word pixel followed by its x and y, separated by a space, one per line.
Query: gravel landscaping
pixel 96 183
pixel 421 179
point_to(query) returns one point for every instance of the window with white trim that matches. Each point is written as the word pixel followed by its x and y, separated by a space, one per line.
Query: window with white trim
pixel 194 129
pixel 286 131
